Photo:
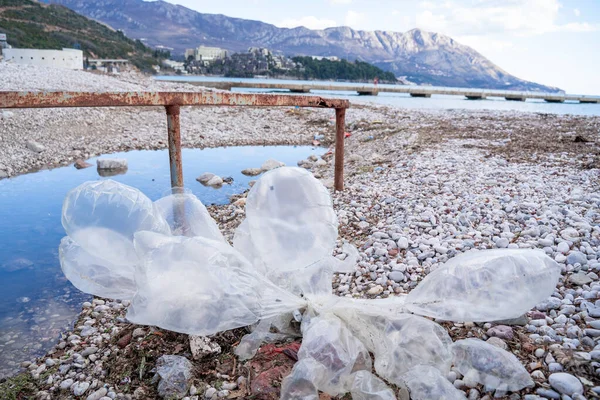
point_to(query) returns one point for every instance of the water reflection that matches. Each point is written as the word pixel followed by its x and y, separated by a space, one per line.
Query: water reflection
pixel 36 301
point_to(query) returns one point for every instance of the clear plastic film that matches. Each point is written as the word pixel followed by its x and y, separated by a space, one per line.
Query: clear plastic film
pixel 171 260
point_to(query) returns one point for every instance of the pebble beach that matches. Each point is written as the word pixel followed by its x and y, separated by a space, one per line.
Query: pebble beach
pixel 421 186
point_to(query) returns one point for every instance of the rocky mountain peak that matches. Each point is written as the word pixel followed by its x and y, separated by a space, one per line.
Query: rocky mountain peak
pixel 418 55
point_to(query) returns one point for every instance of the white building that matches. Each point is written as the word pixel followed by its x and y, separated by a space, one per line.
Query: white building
pixel 176 65
pixel 65 58
pixel 209 53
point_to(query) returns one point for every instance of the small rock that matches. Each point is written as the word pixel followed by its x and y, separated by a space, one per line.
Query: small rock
pixel 98 394
pixel 89 351
pixel 580 279
pixel 35 146
pixel 576 257
pixel 403 243
pixel 375 290
pixel 363 224
pixel 80 388
pixel 138 332
pixel 252 171
pixel 565 383
pixel 240 202
pixel 502 243
pixel 215 181
pixel 139 394
pixel 202 346
pixel 81 164
pixel 210 392
pixel 396 276
pixel 501 331
pixel 66 384
pixel 547 393
pixel 563 247
pixel 271 164
pixel 124 341
pixel 205 177
pixel 496 341
pixel 111 163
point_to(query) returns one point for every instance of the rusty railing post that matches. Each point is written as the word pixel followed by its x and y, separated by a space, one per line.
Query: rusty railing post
pixel 340 122
pixel 174 132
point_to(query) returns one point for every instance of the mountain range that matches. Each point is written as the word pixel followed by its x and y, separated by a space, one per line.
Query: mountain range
pixel 419 56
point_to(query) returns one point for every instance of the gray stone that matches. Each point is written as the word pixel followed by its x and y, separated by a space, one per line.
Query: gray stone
pixel 555 367
pixel 502 243
pixel 271 164
pixel 501 331
pixel 396 276
pixel 66 384
pixel 35 146
pixel 89 351
pixel 79 388
pixel 565 383
pixel 98 394
pixel 210 392
pixel 88 331
pixel 519 321
pixel 580 279
pixel 403 243
pixel 215 181
pixel 496 341
pixel 252 171
pixel 576 257
pixel 563 247
pixel 547 393
pixel 111 163
pixel 592 332
pixel 138 332
pixel 205 177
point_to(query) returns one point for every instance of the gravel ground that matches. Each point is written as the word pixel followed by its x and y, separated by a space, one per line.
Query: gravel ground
pixel 421 187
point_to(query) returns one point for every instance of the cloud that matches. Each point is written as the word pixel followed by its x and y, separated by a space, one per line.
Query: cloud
pixel 353 18
pixel 577 12
pixel 484 17
pixel 340 1
pixel 310 22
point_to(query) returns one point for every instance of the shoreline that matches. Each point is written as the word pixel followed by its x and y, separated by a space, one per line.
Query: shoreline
pixel 421 187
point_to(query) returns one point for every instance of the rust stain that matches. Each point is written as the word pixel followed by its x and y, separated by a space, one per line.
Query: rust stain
pixel 120 99
pixel 172 101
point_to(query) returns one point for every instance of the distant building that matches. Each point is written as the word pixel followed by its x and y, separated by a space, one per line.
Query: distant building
pixel 330 58
pixel 110 66
pixel 176 65
pixel 206 54
pixel 259 50
pixel 190 53
pixel 65 58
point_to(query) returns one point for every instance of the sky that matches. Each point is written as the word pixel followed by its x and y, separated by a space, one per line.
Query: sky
pixel 553 42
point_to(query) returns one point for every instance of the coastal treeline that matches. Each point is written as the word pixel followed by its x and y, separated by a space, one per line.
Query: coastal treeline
pixel 325 69
pixel 262 62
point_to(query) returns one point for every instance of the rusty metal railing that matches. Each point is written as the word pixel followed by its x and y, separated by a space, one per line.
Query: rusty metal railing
pixel 173 101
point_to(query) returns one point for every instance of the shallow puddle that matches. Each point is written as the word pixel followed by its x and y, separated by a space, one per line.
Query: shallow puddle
pixel 36 302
